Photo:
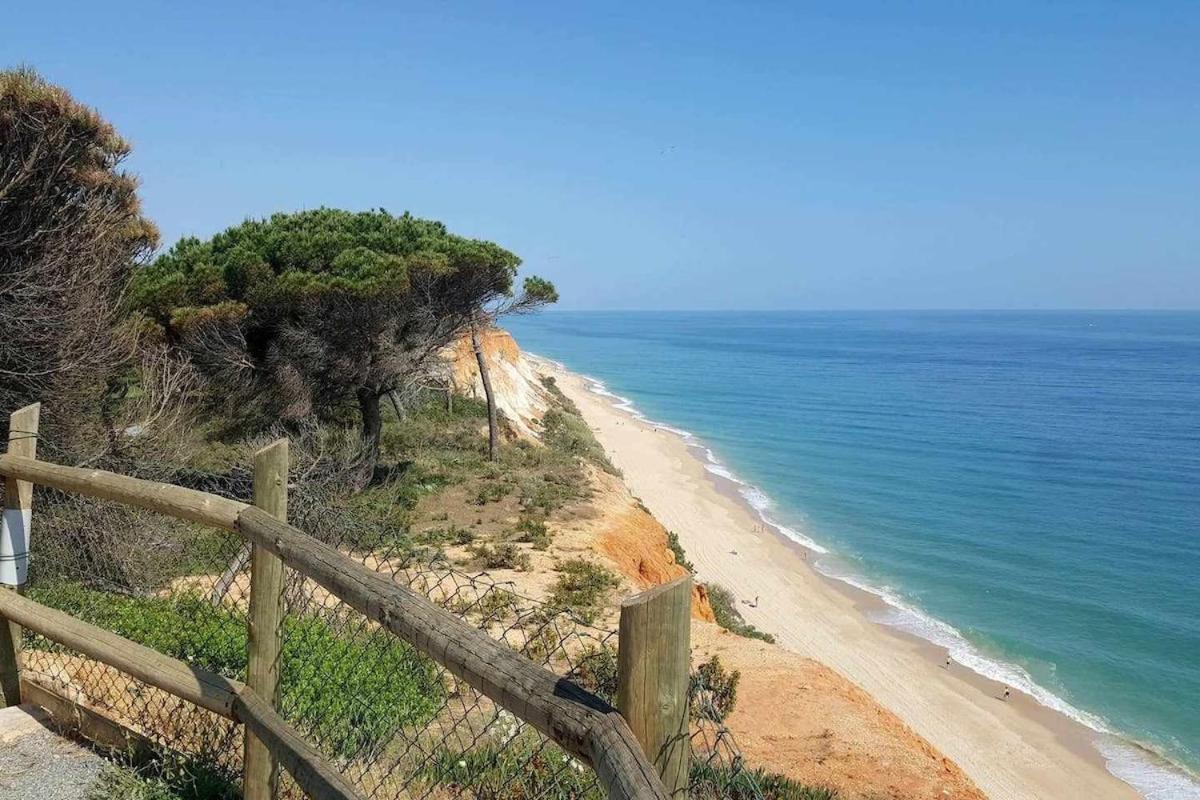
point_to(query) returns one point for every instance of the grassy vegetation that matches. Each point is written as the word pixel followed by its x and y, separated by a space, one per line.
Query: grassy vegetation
pixel 680 557
pixel 523 767
pixel 724 607
pixel 567 432
pixel 747 784
pixel 382 683
pixel 582 587
pixel 168 779
pixel 433 450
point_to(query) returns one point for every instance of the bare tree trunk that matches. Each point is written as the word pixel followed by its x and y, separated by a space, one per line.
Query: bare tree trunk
pixel 401 415
pixel 372 427
pixel 493 448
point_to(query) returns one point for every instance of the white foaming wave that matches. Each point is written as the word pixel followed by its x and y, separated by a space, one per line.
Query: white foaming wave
pixel 910 619
pixel 1151 778
pixel 754 496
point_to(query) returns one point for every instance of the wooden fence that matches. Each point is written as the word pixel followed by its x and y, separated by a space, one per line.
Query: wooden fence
pixel 653 644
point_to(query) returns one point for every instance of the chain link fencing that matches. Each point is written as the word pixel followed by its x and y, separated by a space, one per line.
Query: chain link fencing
pixel 397 724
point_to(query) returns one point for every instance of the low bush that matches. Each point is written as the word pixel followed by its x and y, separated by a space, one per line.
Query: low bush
pixel 714 690
pixel 533 531
pixel 724 606
pixel 505 555
pixel 436 537
pixel 582 587
pixel 491 492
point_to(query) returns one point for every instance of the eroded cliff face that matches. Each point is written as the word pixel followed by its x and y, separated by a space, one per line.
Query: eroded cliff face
pixel 520 396
pixel 636 543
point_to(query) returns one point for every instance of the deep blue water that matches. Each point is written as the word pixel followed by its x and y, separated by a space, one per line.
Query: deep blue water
pixel 1032 479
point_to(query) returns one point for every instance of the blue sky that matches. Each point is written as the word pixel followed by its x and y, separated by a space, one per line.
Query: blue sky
pixel 848 155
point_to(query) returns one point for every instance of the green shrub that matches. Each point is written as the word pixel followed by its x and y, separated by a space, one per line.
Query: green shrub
pixel 582 587
pixel 505 555
pixel 724 607
pixel 350 692
pixel 516 768
pixel 714 690
pixel 680 556
pixel 596 671
pixel 491 492
pixel 498 604
pixel 533 531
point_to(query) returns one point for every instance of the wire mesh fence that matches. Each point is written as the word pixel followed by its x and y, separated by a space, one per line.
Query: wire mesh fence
pixel 397 724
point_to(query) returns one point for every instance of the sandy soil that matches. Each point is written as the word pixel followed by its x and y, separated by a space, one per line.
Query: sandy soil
pixel 1012 750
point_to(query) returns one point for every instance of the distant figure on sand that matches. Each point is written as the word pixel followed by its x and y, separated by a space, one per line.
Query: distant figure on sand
pixel 1006 693
pixel 947 662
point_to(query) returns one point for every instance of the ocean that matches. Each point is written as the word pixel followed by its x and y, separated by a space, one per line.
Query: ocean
pixel 1021 487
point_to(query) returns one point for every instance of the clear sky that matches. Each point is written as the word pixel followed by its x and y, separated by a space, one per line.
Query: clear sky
pixel 651 155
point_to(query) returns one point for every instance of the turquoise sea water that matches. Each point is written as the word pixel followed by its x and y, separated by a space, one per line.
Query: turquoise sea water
pixel 1023 487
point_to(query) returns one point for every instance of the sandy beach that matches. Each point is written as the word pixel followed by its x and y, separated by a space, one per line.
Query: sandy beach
pixel 1013 749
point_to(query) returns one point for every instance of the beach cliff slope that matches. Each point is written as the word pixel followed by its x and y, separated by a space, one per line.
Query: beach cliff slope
pixel 793 715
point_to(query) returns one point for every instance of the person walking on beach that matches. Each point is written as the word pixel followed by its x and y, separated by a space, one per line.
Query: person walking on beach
pixel 1006 694
pixel 947 662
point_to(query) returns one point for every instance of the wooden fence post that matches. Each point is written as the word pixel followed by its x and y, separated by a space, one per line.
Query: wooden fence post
pixel 653 672
pixel 14 543
pixel 261 771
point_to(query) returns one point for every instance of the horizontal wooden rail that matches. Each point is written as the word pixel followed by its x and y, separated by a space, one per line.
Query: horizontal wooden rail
pixel 578 721
pixel 221 695
pixel 165 498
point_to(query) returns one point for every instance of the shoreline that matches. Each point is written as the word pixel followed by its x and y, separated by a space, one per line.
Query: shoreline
pixel 1021 748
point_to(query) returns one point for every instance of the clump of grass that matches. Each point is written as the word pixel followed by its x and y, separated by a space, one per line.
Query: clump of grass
pixel 164 779
pixel 383 683
pixel 724 607
pixel 582 587
pixel 680 556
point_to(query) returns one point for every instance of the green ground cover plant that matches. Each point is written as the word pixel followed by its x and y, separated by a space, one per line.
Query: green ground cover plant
pixel 382 684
